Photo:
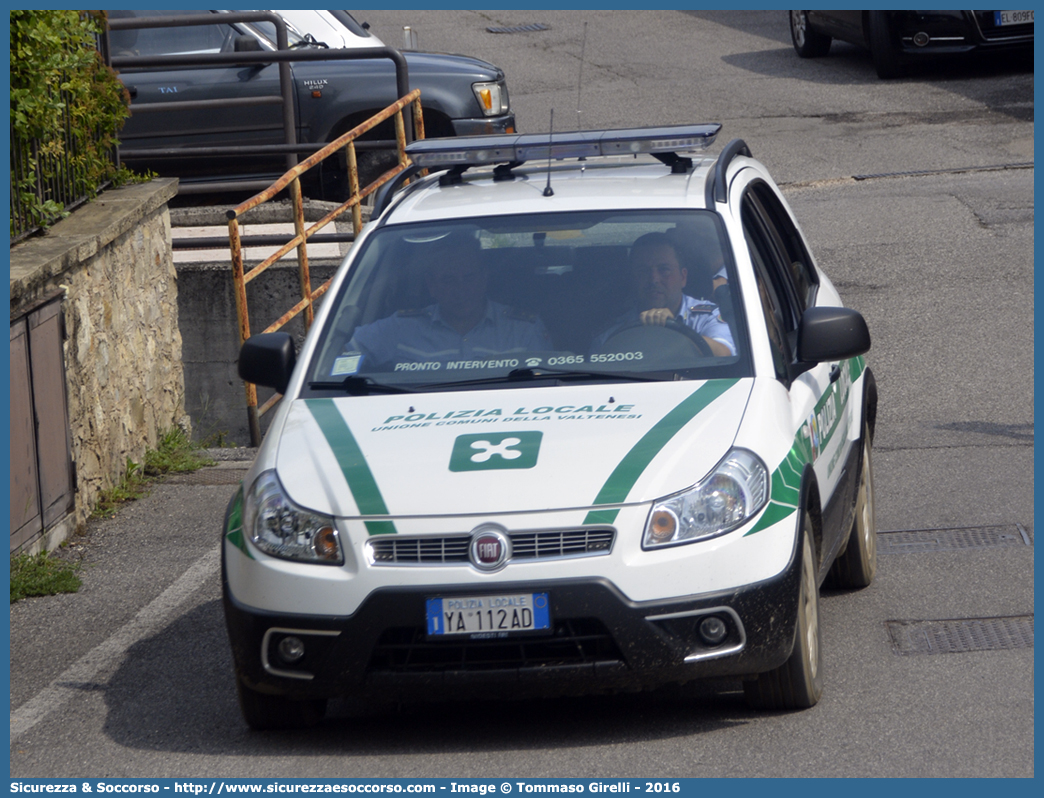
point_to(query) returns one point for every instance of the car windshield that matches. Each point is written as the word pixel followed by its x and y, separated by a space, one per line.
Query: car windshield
pixel 512 299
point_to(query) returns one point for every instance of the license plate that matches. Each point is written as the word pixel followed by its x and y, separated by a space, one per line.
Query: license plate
pixel 1002 18
pixel 488 616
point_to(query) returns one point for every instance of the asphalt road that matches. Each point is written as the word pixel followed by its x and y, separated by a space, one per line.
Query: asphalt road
pixel 132 675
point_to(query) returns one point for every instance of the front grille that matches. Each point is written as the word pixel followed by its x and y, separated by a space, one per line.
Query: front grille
pixel 582 641
pixel 453 549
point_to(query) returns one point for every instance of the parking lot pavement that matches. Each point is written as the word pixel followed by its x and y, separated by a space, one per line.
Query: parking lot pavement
pixel 139 570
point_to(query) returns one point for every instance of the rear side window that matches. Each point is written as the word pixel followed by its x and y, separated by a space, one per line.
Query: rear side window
pixel 168 41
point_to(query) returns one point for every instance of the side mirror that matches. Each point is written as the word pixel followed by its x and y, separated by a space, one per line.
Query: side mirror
pixel 268 359
pixel 247 44
pixel 827 334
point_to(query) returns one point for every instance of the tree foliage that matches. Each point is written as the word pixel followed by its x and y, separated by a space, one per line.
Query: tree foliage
pixel 67 107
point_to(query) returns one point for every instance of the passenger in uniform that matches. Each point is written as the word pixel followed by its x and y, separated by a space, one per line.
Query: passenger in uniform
pixel 660 287
pixel 462 323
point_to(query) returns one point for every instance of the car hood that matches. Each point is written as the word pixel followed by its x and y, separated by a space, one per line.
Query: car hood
pixel 500 451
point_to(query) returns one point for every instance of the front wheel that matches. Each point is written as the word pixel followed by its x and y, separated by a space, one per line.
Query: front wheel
pixel 857 566
pixel 883 48
pixel 798 682
pixel 269 712
pixel 807 42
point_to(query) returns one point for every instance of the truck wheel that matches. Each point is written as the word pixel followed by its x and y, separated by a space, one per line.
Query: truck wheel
pixel 885 52
pixel 857 566
pixel 807 42
pixel 268 712
pixel 798 682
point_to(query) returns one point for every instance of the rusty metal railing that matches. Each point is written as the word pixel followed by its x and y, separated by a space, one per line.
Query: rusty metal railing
pixel 291 179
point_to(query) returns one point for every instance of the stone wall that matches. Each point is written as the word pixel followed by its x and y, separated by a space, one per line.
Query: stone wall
pixel 124 377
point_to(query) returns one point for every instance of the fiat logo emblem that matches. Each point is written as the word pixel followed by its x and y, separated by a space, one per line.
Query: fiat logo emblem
pixel 489 549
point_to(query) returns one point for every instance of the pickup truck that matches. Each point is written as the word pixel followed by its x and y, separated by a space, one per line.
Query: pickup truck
pixel 460 96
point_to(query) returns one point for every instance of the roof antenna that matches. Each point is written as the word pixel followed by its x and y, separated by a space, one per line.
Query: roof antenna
pixel 550 135
pixel 580 78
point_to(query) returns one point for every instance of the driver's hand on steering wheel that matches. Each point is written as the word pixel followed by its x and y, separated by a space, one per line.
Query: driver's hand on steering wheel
pixel 658 316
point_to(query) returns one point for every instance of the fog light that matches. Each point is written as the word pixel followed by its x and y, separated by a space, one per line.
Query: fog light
pixel 921 39
pixel 712 630
pixel 291 649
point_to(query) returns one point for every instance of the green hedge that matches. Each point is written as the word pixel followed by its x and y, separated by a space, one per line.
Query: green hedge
pixel 66 110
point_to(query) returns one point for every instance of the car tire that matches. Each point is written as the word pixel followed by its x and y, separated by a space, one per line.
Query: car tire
pixel 266 712
pixel 887 59
pixel 798 682
pixel 855 568
pixel 807 42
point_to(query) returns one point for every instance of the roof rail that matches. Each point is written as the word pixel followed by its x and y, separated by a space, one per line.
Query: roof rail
pixel 468 151
pixel 721 167
pixel 383 196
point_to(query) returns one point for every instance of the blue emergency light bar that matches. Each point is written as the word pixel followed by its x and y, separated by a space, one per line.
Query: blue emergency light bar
pixel 466 151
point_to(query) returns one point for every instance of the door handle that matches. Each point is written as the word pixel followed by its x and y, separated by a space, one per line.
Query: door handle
pixel 132 91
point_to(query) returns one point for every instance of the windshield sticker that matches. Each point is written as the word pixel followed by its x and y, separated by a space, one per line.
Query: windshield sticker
pixel 634 463
pixel 498 415
pixel 347 363
pixel 495 451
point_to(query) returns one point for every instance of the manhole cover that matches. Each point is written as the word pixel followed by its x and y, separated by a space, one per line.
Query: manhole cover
pixel 520 28
pixel 961 634
pixel 905 542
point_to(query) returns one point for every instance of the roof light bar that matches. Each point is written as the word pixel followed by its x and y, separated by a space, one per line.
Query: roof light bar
pixel 519 148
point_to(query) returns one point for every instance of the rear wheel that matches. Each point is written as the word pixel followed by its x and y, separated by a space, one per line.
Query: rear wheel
pixel 798 682
pixel 807 42
pixel 268 712
pixel 857 566
pixel 883 48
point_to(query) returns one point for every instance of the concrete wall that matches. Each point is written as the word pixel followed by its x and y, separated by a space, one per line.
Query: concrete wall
pixel 214 395
pixel 123 349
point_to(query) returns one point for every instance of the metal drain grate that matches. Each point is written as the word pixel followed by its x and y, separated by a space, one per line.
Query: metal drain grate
pixel 520 28
pixel 960 635
pixel 208 476
pixel 904 542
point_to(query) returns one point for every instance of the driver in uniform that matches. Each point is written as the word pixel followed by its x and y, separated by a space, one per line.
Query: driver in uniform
pixel 660 284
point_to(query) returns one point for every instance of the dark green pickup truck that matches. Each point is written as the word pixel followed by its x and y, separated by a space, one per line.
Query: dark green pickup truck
pixel 460 96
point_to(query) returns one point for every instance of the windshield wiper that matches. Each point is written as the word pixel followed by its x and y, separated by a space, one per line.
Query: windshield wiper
pixel 541 373
pixel 358 386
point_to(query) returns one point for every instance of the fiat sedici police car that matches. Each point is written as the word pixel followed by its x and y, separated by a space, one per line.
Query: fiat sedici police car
pixel 580 413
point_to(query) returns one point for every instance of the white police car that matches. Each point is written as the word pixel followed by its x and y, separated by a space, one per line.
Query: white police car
pixel 580 413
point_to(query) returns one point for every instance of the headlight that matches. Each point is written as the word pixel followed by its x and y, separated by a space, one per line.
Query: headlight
pixel 733 492
pixel 280 528
pixel 493 97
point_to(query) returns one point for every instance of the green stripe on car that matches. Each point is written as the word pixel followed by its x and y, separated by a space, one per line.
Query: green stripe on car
pixel 785 489
pixel 353 465
pixel 634 463
pixel 234 526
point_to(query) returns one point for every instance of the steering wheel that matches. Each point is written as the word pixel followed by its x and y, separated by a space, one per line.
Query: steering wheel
pixel 633 328
pixel 692 335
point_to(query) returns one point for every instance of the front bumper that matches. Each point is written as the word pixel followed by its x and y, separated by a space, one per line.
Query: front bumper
pixel 485 126
pixel 602 642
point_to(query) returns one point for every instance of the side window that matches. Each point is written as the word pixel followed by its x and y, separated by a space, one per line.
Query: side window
pixel 790 243
pixel 770 304
pixel 169 41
